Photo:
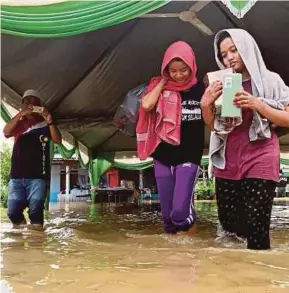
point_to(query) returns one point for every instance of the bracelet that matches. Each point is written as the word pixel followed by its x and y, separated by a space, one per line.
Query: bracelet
pixel 51 123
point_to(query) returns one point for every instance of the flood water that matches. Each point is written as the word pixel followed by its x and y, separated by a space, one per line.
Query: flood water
pixel 92 248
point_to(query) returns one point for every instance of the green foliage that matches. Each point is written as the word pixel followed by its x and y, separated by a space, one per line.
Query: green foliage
pixel 205 189
pixel 5 159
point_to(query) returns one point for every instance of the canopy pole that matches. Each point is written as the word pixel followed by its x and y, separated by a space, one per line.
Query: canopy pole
pixel 141 185
pixel 204 173
pixel 67 179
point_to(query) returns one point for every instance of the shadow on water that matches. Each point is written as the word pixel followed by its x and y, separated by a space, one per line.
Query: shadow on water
pixel 109 248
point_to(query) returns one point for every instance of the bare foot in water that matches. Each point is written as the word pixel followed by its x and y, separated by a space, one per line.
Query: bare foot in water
pixel 20 226
pixel 193 230
pixel 35 227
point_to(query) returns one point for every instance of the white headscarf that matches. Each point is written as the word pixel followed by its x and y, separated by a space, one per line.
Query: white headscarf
pixel 266 85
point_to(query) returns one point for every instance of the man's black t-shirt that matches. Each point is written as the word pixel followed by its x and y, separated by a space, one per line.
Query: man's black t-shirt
pixel 191 147
pixel 30 157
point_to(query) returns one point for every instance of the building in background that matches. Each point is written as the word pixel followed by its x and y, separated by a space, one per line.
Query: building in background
pixel 68 180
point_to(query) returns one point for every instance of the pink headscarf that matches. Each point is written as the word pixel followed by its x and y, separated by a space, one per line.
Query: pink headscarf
pixel 164 123
pixel 183 51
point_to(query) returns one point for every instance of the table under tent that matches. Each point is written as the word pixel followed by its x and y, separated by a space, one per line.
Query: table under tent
pixel 84 56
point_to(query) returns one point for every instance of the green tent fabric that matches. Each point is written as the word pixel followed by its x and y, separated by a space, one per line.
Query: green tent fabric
pixel 4 113
pixel 81 162
pixel 205 162
pixel 106 161
pixel 97 167
pixel 137 166
pixel 108 52
pixel 284 161
pixel 71 17
pixel 145 165
pixel 239 8
pixel 78 90
pixel 65 152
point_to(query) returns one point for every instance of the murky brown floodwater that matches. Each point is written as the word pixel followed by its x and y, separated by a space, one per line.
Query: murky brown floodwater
pixel 106 249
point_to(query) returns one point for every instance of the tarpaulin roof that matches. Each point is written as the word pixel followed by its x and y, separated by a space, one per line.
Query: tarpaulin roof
pixel 85 77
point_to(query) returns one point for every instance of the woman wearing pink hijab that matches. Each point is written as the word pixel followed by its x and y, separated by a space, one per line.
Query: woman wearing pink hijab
pixel 171 130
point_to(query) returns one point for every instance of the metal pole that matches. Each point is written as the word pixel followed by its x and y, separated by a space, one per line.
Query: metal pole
pixel 67 179
pixel 204 173
pixel 141 185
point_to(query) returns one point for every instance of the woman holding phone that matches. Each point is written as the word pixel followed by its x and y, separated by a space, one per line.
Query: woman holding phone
pixel 247 160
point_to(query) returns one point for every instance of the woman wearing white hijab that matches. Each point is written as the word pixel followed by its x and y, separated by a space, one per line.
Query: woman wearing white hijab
pixel 247 160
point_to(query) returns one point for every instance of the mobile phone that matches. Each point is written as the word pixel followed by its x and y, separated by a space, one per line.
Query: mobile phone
pixel 218 76
pixel 232 83
pixel 37 109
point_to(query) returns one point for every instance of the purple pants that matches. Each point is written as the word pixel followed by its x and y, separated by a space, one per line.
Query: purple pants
pixel 175 187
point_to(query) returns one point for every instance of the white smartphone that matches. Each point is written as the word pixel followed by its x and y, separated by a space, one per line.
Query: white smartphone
pixel 37 109
pixel 218 76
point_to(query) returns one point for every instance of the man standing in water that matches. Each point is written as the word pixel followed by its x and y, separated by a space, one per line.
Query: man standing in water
pixel 30 164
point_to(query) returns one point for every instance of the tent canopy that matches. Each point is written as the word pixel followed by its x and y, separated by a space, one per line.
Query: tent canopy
pixel 84 78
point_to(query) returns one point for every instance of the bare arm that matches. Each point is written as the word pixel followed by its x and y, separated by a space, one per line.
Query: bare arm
pixel 207 103
pixel 54 132
pixel 150 100
pixel 244 99
pixel 11 125
pixel 277 117
pixel 208 114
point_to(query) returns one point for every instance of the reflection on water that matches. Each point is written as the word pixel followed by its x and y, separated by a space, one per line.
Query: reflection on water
pixel 93 248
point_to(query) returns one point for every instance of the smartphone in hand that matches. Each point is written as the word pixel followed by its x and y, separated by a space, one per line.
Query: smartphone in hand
pixel 218 76
pixel 37 109
pixel 232 83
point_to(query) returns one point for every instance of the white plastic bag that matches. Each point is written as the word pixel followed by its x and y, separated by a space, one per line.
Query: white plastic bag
pixel 125 118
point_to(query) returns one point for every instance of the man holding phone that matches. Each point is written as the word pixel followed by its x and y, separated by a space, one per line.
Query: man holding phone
pixel 32 128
